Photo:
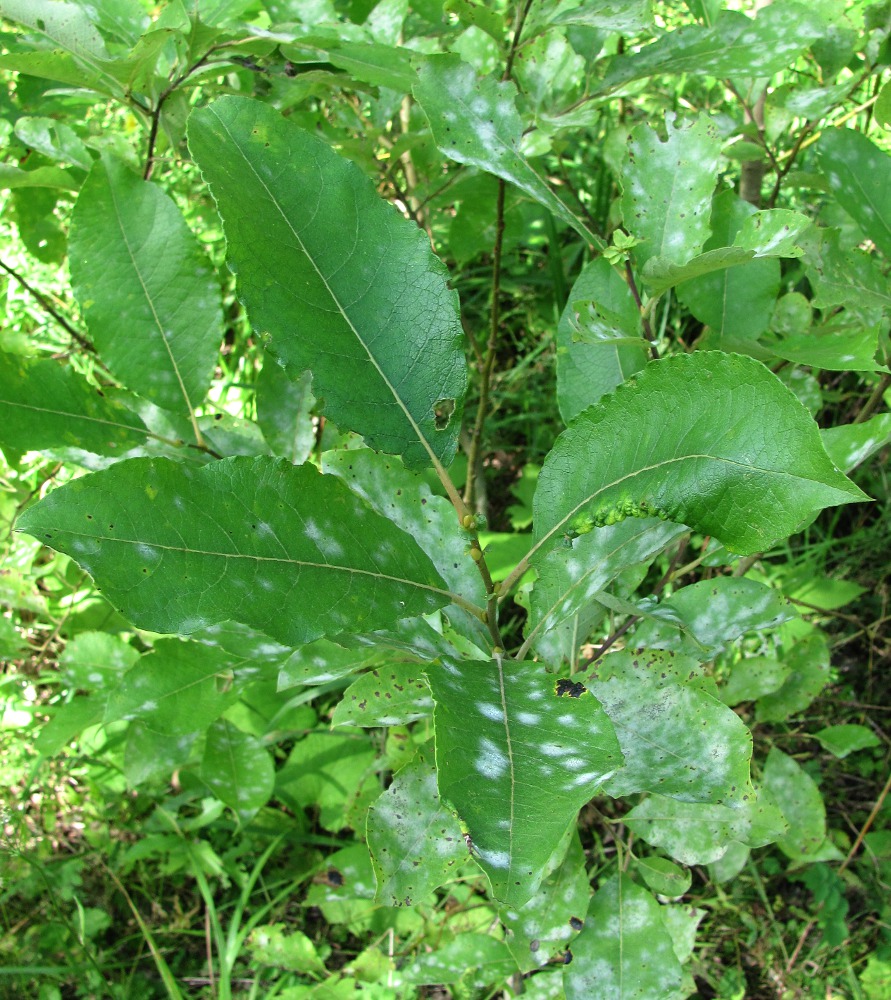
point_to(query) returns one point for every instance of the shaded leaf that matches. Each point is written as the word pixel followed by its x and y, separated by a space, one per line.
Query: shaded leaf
pixel 753 677
pixel 475 960
pixel 664 877
pixel 278 547
pixel 54 139
pixel 474 120
pixel 390 695
pixel 797 794
pixel 588 371
pixel 740 458
pixel 335 280
pixel 807 663
pixel 45 405
pixel 837 347
pixel 415 842
pixel 849 445
pixel 859 173
pixel 624 952
pixel 516 761
pixel 283 412
pixel 136 265
pixel 237 768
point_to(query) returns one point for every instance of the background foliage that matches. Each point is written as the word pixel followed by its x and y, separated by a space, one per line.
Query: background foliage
pixel 263 730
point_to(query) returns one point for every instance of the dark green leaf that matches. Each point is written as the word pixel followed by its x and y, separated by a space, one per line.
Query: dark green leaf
pixel 517 761
pixel 237 768
pixel 335 281
pixel 278 547
pixel 46 405
pixel 283 412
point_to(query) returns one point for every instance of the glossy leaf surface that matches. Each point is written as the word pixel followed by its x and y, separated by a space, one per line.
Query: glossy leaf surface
pixel 740 459
pixel 517 761
pixel 274 546
pixel 335 281
pixel 148 295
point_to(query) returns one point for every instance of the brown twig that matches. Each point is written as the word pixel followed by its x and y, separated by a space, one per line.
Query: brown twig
pixel 51 309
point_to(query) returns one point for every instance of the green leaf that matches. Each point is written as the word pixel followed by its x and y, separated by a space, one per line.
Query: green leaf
pixel 391 695
pixel 283 412
pixel 837 347
pixel 517 761
pixel 807 663
pixel 753 677
pixel 668 187
pixel 66 24
pixel 415 842
pixel 740 458
pixel 859 173
pixel 541 928
pixel 135 264
pixel 609 15
pixel 736 302
pixel 797 794
pixel 677 738
pixel 270 944
pixel 700 833
pixel 237 768
pixel 849 445
pixel 378 65
pixel 663 876
pixel 176 689
pixel 845 276
pixel 319 662
pixel 568 579
pixel 95 660
pixel 475 960
pixel 33 210
pixel 67 722
pixel 474 120
pixel 278 547
pixel 13 177
pixel 734 45
pixel 883 106
pixel 843 740
pixel 46 405
pixel 335 280
pixel 588 371
pixel 625 951
pixel 54 139
pixel 711 614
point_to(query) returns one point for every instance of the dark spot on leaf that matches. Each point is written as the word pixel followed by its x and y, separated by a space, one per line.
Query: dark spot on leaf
pixel 575 923
pixel 567 957
pixel 567 687
pixel 534 944
pixel 334 877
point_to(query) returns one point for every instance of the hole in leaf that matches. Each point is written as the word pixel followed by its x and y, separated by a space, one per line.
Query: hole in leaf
pixel 442 413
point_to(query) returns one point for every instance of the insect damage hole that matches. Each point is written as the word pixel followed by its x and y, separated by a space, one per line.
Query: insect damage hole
pixel 442 413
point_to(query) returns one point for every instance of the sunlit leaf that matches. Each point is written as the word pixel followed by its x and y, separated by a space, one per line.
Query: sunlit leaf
pixel 335 281
pixel 390 695
pixel 278 547
pixel 516 760
pixel 739 459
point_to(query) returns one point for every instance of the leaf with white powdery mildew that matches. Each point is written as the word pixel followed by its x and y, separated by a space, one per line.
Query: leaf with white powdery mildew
pixel 740 458
pixel 625 951
pixel 259 541
pixel 148 293
pixel 237 768
pixel 474 120
pixel 517 761
pixel 335 280
pixel 415 841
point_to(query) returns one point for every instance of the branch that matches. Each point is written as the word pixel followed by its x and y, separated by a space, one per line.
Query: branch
pixel 51 309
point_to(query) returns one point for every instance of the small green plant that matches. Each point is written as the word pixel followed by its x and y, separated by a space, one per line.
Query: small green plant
pixel 319 553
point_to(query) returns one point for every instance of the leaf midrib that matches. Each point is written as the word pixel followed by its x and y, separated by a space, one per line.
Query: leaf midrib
pixel 290 561
pixel 334 298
